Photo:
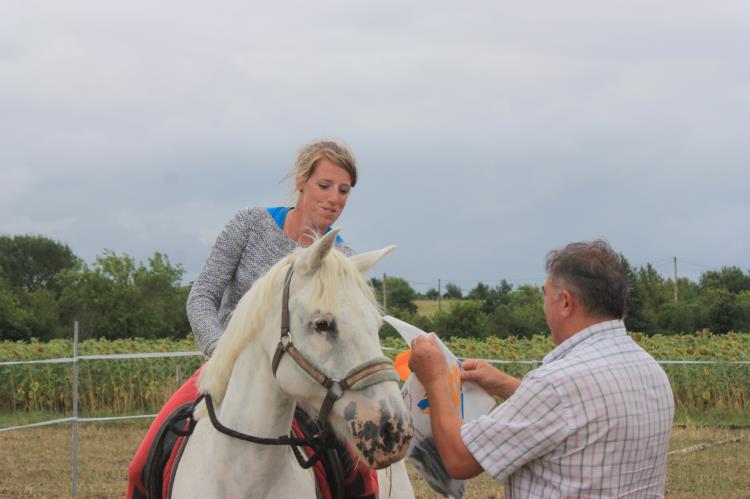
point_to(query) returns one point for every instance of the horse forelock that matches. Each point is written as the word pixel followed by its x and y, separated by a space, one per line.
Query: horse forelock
pixel 338 276
pixel 335 277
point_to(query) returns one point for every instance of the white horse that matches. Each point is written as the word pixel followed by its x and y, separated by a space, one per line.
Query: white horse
pixel 333 324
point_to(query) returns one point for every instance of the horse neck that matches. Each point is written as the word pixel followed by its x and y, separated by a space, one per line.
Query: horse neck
pixel 253 403
pixel 230 467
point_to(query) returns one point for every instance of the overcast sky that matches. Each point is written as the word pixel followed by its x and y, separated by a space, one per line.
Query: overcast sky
pixel 487 133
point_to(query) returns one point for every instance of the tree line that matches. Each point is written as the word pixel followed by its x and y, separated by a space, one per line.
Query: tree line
pixel 44 287
pixel 719 301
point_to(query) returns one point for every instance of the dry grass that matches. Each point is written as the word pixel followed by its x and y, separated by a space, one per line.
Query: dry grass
pixel 36 463
pixel 719 471
pixel 428 308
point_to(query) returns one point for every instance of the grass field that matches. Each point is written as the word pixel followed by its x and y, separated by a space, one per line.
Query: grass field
pixel 428 308
pixel 35 463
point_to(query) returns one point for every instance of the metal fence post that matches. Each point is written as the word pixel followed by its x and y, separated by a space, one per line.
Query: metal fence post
pixel 74 444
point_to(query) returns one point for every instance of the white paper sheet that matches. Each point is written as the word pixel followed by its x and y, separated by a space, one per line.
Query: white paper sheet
pixel 476 402
pixel 471 402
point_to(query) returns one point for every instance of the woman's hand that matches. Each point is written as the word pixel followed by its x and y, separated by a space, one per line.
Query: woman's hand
pixel 492 380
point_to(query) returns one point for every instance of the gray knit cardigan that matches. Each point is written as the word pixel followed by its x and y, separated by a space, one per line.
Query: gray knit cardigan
pixel 250 244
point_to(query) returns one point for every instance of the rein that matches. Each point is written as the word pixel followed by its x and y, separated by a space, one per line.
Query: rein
pixel 368 373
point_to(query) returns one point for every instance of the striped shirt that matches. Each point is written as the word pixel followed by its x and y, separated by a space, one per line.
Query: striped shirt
pixel 593 421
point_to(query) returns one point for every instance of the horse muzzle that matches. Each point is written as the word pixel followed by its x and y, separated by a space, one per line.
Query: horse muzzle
pixel 385 442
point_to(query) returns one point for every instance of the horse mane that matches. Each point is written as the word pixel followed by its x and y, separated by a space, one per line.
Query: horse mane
pixel 336 275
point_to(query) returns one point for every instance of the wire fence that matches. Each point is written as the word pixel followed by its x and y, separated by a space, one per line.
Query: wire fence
pixel 155 355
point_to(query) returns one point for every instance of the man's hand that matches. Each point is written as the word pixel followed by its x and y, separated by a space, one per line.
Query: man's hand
pixel 492 380
pixel 427 360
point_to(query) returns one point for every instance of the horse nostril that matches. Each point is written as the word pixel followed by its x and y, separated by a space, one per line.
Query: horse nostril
pixel 389 436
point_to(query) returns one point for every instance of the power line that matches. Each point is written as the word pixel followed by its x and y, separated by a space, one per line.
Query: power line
pixel 698 265
pixel 653 263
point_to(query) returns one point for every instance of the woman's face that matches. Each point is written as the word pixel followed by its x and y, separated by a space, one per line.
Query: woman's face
pixel 323 196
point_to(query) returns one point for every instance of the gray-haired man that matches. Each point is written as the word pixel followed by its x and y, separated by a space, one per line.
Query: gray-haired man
pixel 594 420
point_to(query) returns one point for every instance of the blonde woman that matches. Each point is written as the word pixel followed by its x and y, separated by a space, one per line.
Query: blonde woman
pixel 251 243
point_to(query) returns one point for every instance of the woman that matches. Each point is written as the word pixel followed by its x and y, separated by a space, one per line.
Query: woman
pixel 251 243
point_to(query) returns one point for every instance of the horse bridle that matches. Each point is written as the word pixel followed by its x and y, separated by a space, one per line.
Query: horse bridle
pixel 366 374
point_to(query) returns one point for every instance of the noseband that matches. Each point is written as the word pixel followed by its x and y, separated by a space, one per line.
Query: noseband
pixel 368 373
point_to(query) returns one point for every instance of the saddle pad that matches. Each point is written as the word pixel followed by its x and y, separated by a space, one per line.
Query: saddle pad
pixel 163 455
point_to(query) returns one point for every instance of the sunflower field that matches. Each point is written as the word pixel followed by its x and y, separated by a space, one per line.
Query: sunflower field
pixel 123 386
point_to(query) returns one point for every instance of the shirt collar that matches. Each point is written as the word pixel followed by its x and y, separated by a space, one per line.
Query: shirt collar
pixel 613 327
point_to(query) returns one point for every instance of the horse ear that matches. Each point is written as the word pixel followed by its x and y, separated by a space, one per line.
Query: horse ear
pixel 313 256
pixel 366 261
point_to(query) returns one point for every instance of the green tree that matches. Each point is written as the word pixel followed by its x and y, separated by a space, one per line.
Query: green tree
pixel 499 295
pixel 118 299
pixel 480 292
pixel 401 296
pixel 722 310
pixel 652 292
pixel 635 318
pixel 432 294
pixel 28 269
pixel 463 319
pixel 452 291
pixel 682 317
pixel 42 307
pixel 742 321
pixel 31 262
pixel 730 278
pixel 14 319
pixel 521 315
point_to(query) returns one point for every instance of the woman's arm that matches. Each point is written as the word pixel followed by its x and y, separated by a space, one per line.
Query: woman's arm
pixel 208 288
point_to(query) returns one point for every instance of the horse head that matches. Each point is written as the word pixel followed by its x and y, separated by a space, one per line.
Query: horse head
pixel 328 337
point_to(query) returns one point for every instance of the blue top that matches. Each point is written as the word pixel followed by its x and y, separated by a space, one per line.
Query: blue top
pixel 279 216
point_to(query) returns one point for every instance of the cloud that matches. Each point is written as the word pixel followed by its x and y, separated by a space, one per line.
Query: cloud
pixel 15 184
pixel 488 133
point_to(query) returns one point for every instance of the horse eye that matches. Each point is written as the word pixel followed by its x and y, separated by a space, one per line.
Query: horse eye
pixel 323 325
pixel 322 322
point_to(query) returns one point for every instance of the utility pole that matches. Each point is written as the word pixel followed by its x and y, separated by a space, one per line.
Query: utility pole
pixel 440 295
pixel 385 295
pixel 674 259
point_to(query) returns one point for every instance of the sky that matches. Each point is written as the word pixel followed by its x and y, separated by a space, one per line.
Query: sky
pixel 487 133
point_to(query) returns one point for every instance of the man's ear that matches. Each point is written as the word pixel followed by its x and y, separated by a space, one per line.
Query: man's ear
pixel 567 303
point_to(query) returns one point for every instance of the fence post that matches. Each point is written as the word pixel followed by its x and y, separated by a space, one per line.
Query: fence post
pixel 74 445
pixel 178 375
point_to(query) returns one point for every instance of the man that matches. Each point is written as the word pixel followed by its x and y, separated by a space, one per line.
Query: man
pixel 593 421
